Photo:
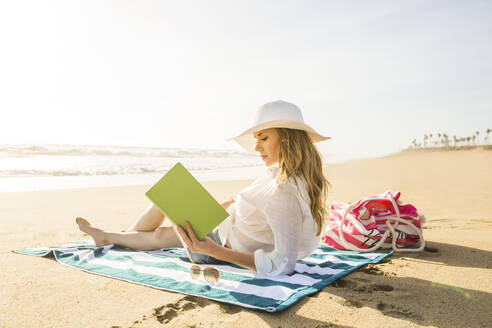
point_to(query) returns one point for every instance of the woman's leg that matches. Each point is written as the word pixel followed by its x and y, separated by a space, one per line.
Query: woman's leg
pixel 149 220
pixel 140 240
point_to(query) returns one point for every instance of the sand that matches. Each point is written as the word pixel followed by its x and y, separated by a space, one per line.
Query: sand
pixel 451 287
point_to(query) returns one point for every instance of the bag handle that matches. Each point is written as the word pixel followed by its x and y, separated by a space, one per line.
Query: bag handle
pixel 410 224
pixel 391 228
pixel 351 247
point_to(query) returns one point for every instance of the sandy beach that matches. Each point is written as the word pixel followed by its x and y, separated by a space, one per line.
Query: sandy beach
pixel 450 286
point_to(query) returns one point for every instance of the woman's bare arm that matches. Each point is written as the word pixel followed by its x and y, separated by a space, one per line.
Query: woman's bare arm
pixel 245 260
pixel 209 247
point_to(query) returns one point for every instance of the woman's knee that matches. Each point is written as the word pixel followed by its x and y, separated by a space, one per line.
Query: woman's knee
pixel 161 232
pixel 166 236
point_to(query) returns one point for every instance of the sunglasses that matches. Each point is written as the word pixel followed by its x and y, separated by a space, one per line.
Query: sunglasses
pixel 211 275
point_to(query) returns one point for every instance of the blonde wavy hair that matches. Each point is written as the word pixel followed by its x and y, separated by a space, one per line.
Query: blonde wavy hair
pixel 299 157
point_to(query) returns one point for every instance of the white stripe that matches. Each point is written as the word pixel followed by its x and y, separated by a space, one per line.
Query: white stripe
pixel 165 253
pixel 64 250
pixel 331 259
pixel 46 249
pixel 275 292
pixel 76 250
pixel 298 279
pixel 268 308
pixel 293 279
pixel 366 255
pixel 304 268
pixel 146 257
pixel 82 253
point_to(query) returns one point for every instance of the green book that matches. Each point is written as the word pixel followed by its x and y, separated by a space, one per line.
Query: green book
pixel 180 197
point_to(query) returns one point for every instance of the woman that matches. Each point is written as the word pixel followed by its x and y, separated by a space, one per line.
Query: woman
pixel 272 223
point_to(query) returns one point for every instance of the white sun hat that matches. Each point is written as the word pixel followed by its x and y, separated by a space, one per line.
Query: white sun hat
pixel 276 114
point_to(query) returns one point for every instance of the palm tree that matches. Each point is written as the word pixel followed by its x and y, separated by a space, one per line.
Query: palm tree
pixel 443 140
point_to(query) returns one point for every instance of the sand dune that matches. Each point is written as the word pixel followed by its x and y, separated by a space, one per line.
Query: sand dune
pixel 448 287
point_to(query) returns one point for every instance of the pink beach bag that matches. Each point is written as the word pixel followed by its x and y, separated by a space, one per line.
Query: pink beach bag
pixel 375 222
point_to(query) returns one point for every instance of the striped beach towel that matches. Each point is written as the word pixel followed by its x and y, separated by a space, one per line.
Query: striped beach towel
pixel 169 269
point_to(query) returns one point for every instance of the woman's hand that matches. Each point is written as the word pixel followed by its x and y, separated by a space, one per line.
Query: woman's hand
pixel 206 246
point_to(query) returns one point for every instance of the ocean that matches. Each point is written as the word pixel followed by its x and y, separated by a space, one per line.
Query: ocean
pixel 29 167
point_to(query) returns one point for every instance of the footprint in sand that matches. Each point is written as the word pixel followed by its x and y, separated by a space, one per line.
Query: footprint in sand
pixel 166 313
pixel 374 288
pixel 382 288
pixel 403 313
pixel 353 303
pixel 357 286
pixel 390 309
pixel 344 283
pixel 382 306
pixel 387 309
pixel 374 270
pixel 360 279
pixel 230 308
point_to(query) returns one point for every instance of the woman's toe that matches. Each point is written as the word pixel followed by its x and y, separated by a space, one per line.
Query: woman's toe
pixel 80 220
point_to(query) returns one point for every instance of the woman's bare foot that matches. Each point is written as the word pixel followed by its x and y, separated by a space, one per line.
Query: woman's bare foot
pixel 97 234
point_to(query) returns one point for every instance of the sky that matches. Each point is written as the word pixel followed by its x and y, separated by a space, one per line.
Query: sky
pixel 373 75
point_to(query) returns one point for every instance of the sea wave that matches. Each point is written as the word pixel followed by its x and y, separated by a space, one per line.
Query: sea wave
pixel 77 150
pixel 123 170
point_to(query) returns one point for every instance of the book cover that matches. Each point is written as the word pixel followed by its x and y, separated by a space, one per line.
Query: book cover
pixel 180 197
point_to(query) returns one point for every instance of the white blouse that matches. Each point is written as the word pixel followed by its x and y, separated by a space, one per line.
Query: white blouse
pixel 273 222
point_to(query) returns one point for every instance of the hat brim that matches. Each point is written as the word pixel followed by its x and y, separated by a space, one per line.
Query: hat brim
pixel 248 142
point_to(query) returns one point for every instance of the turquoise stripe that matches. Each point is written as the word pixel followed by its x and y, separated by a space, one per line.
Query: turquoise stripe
pixel 327 280
pixel 231 276
pixel 208 291
pixel 338 266
pixel 342 257
pixel 186 287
